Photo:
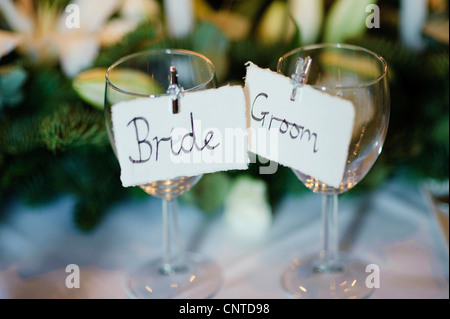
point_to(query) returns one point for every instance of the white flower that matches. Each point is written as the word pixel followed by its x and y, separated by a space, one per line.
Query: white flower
pixel 179 16
pixel 132 12
pixel 308 14
pixel 246 210
pixel 8 42
pixel 41 31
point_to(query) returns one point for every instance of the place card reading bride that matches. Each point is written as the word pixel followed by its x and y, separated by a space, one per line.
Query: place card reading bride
pixel 208 134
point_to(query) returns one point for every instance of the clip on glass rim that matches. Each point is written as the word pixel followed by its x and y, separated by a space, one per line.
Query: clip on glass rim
pixel 300 77
pixel 175 90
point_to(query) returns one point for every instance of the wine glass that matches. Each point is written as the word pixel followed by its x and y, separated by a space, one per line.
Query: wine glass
pixel 177 274
pixel 360 76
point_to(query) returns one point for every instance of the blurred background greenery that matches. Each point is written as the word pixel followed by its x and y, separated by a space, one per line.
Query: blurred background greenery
pixel 52 136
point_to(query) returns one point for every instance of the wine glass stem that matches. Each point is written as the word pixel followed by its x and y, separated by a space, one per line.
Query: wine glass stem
pixel 170 234
pixel 329 256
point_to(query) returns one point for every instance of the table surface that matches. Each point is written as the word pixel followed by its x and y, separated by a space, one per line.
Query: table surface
pixel 393 227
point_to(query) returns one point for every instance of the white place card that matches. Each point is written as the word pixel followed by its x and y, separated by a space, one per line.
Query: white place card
pixel 311 134
pixel 207 135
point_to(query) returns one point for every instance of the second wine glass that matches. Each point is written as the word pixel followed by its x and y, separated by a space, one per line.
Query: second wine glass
pixel 149 74
pixel 360 76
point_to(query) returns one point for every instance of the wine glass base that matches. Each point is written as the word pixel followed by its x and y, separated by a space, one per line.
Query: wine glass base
pixel 303 281
pixel 192 277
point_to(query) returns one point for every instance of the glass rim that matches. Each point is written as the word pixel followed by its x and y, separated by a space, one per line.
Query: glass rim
pixel 179 52
pixel 365 84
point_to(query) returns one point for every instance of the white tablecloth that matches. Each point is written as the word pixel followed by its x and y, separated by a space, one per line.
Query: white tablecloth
pixel 393 227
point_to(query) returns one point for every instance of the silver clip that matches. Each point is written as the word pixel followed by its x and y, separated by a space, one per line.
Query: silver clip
pixel 175 90
pixel 300 77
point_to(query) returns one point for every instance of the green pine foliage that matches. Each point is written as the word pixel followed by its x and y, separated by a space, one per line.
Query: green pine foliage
pixel 53 144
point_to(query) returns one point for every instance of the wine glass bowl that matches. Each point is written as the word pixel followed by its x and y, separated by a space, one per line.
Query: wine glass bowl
pixel 172 188
pixel 360 76
pixel 357 75
pixel 149 74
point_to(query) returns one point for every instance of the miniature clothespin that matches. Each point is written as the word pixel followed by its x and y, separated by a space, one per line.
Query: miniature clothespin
pixel 174 89
pixel 300 77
